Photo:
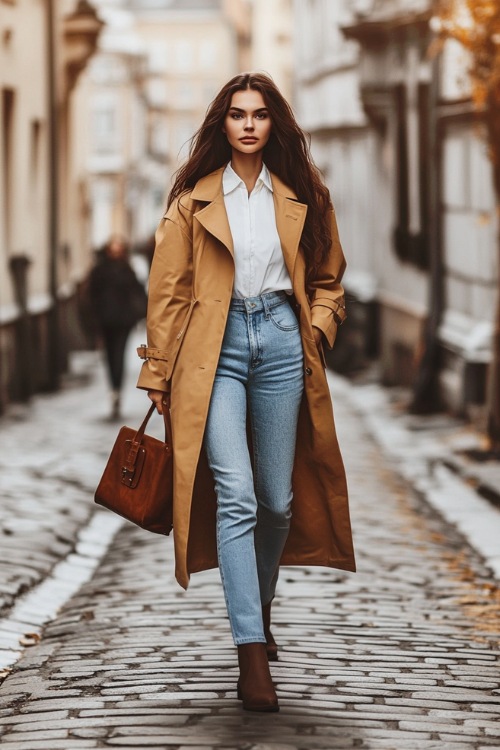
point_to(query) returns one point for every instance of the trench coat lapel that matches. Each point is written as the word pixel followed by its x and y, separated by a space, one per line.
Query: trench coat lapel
pixel 213 217
pixel 290 218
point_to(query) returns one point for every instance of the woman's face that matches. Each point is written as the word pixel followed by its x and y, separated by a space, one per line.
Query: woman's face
pixel 247 124
pixel 116 248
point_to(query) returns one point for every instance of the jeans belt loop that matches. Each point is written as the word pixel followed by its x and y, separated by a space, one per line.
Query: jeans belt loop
pixel 265 302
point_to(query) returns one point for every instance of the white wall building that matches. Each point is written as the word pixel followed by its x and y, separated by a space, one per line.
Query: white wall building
pixel 158 66
pixel 192 50
pixel 272 42
pixel 115 166
pixel 396 140
pixel 44 46
pixel 469 232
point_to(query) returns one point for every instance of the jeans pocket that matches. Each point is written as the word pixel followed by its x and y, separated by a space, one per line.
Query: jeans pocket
pixel 283 317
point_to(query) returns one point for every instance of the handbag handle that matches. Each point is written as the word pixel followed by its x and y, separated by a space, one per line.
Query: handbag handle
pixel 166 419
pixel 128 468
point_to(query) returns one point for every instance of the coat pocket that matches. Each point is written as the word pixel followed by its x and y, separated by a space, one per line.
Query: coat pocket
pixel 177 338
pixel 321 352
pixel 186 320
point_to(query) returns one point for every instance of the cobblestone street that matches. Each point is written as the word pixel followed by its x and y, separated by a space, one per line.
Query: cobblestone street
pixel 402 654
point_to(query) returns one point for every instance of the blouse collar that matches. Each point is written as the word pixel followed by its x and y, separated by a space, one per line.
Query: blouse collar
pixel 231 181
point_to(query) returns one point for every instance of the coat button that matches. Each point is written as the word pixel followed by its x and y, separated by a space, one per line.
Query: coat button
pixel 309 371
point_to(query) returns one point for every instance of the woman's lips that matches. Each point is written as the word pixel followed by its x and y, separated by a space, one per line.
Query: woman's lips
pixel 249 139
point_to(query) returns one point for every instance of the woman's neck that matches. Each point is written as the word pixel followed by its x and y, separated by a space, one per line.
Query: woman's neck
pixel 248 167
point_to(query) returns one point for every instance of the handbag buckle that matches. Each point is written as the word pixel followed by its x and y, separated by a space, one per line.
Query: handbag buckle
pixel 127 476
pixel 135 454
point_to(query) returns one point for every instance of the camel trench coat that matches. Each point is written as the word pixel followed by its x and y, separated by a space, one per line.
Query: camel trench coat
pixel 190 291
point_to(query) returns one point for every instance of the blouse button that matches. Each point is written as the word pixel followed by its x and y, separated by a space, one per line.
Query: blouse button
pixel 308 371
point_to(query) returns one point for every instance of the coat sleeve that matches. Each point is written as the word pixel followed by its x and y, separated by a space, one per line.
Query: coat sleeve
pixel 169 300
pixel 326 291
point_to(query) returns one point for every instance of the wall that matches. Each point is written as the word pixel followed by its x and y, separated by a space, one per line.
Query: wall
pixel 36 225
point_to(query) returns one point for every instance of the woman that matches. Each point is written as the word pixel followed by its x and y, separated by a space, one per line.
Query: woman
pixel 118 301
pixel 244 290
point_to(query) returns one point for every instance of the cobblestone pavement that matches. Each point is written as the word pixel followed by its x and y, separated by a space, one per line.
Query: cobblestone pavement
pixel 403 654
pixel 51 456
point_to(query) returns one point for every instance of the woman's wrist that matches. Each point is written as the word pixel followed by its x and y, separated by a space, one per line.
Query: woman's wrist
pixel 158 398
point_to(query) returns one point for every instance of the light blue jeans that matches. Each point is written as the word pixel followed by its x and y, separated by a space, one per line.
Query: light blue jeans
pixel 259 374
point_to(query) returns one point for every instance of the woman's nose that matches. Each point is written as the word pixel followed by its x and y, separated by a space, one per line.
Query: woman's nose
pixel 249 124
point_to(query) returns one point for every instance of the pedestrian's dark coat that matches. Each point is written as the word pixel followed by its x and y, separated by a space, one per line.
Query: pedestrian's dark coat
pixel 190 290
pixel 116 296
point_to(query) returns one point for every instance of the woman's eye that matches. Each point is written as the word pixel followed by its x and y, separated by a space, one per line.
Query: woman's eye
pixel 262 116
pixel 236 116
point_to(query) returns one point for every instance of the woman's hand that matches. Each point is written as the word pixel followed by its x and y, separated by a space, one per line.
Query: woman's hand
pixel 159 398
pixel 318 333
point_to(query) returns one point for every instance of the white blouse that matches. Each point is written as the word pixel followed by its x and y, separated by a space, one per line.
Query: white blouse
pixel 258 257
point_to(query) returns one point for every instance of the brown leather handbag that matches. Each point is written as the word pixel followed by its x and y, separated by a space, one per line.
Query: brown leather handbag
pixel 137 482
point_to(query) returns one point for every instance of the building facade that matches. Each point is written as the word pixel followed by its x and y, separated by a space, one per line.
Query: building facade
pixel 468 224
pixel 192 50
pixel 144 95
pixel 272 42
pixel 397 139
pixel 43 48
pixel 329 107
pixel 90 139
pixel 115 156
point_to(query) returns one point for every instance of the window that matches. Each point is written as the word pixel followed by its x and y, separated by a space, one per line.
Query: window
pixel 106 69
pixel 157 92
pixel 105 125
pixel 185 95
pixel 159 137
pixel 183 56
pixel 8 102
pixel 35 139
pixel 208 54
pixel 35 146
pixel 210 89
pixel 184 133
pixel 411 246
pixel 158 56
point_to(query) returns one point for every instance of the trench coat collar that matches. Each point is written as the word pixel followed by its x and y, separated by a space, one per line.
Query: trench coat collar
pixel 290 214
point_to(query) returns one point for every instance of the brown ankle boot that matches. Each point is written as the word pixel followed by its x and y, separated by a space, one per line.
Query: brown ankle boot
pixel 255 686
pixel 272 646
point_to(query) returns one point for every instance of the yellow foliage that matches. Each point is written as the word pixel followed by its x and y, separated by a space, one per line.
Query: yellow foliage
pixel 476 25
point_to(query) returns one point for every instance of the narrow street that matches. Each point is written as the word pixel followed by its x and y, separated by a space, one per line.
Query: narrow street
pixel 403 654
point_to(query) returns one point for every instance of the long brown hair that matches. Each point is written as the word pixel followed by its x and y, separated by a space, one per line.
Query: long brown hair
pixel 286 154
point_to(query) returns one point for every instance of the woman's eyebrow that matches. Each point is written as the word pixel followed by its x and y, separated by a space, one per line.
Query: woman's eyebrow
pixel 237 109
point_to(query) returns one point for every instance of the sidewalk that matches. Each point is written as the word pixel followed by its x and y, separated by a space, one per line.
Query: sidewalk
pixel 430 453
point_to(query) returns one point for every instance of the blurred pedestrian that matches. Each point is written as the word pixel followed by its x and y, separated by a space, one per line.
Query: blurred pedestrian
pixel 118 301
pixel 244 292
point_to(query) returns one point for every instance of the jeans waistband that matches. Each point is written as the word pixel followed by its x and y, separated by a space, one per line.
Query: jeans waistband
pixel 257 304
